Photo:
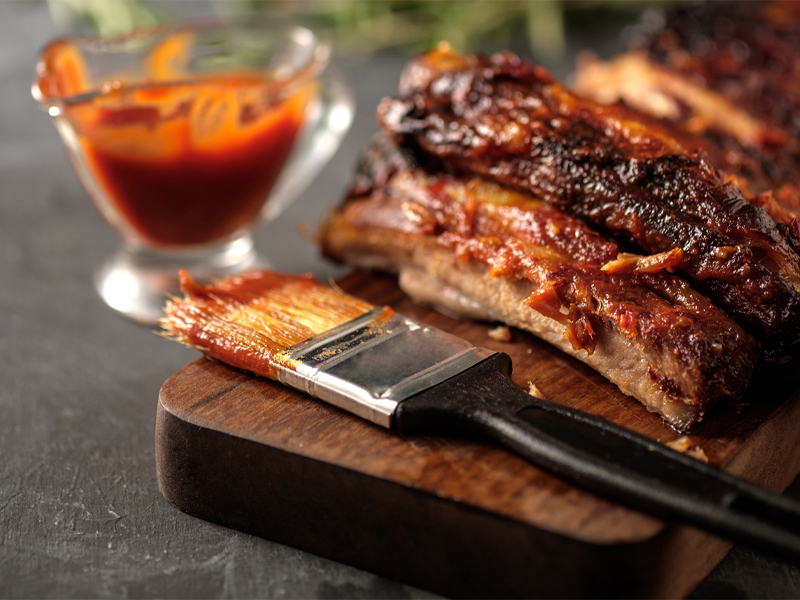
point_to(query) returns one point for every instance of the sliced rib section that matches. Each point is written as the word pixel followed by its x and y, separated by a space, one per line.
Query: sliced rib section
pixel 483 250
pixel 626 174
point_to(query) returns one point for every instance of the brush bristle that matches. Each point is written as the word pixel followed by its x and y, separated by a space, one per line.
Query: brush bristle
pixel 249 320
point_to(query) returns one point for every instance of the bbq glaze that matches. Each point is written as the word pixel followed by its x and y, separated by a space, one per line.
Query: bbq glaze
pixel 746 52
pixel 398 215
pixel 510 122
pixel 184 161
pixel 724 74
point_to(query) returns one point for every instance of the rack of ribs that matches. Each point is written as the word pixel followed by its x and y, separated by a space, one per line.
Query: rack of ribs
pixel 482 250
pixel 649 186
pixel 646 221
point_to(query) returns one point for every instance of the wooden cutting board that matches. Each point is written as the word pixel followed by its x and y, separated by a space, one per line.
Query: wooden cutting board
pixel 452 516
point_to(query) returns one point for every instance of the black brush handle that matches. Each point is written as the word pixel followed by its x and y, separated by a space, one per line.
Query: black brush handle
pixel 603 458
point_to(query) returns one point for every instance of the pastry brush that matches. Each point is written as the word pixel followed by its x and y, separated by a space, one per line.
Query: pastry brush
pixel 415 379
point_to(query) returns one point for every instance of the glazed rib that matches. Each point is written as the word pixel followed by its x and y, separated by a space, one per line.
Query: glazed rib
pixel 485 251
pixel 723 72
pixel 624 173
pixel 746 51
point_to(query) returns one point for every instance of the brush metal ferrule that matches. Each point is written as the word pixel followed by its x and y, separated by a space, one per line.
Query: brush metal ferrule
pixel 367 366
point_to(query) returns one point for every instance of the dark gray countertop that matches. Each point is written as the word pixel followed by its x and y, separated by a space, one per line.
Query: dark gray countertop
pixel 80 510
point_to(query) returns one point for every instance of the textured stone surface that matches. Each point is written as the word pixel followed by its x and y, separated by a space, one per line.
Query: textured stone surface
pixel 80 510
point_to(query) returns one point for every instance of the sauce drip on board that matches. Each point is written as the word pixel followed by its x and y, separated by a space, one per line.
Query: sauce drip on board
pixel 186 163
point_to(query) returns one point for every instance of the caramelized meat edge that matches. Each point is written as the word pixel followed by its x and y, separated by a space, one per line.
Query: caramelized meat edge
pixel 727 73
pixel 761 163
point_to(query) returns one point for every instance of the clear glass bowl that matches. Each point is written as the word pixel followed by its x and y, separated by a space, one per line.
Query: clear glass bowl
pixel 186 136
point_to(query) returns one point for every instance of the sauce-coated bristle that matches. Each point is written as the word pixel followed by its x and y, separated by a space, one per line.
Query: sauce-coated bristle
pixel 249 320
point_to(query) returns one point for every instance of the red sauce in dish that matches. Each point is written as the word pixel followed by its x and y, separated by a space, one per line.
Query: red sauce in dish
pixel 184 164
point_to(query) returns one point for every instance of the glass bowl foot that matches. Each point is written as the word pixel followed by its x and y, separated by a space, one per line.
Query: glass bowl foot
pixel 136 283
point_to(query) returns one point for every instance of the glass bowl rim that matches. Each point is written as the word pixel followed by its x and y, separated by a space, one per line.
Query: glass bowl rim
pixel 320 53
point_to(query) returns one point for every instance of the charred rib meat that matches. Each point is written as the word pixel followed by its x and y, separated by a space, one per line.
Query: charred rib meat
pixel 624 173
pixel 724 72
pixel 746 51
pixel 486 251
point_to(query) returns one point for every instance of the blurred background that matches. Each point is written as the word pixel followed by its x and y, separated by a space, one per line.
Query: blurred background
pixel 539 29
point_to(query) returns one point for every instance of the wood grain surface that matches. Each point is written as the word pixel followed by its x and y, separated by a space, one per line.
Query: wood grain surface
pixel 454 516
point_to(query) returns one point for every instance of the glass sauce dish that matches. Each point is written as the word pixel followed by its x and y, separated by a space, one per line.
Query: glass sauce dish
pixel 186 135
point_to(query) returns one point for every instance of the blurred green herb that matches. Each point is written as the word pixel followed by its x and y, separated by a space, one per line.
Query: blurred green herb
pixel 105 17
pixel 366 26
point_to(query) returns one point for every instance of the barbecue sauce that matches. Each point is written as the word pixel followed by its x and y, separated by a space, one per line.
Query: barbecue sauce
pixel 182 164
